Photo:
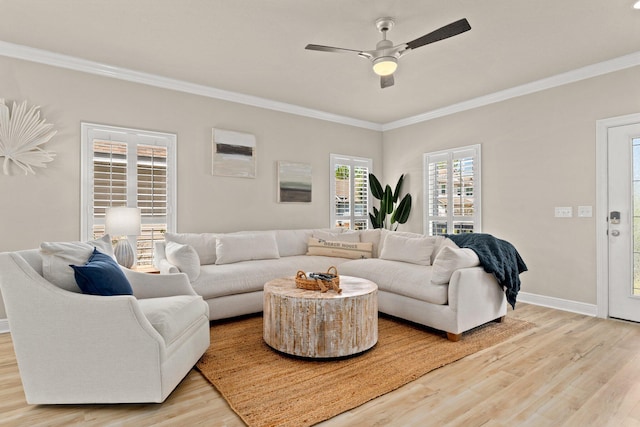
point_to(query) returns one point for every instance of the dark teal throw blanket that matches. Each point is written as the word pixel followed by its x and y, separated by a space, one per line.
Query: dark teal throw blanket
pixel 497 257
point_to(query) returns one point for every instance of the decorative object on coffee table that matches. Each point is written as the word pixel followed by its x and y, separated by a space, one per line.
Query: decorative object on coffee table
pixel 319 281
pixel 315 324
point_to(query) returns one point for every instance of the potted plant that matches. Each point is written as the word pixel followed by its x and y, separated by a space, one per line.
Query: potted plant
pixel 399 212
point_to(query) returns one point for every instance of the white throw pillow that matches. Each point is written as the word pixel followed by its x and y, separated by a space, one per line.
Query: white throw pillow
pixel 440 243
pixel 449 260
pixel 414 250
pixel 57 256
pixel 347 236
pixel 185 258
pixel 292 242
pixel 232 248
pixel 203 243
pixel 373 236
pixel 339 249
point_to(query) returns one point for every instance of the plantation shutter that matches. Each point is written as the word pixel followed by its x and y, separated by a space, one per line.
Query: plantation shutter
pixel 151 198
pixel 350 192
pixel 452 191
pixel 132 168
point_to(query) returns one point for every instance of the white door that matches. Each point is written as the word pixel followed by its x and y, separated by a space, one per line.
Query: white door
pixel 624 221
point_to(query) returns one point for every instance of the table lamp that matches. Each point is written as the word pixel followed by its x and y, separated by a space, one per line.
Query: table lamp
pixel 120 223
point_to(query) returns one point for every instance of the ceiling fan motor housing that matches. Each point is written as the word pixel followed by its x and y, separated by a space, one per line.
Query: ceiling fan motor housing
pixel 384 24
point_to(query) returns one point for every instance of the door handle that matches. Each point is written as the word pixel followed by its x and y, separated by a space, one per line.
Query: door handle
pixel 615 233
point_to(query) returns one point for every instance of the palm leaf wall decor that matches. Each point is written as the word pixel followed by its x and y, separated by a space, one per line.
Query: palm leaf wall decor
pixel 21 134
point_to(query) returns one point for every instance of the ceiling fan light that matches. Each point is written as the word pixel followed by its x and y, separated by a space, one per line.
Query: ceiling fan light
pixel 385 66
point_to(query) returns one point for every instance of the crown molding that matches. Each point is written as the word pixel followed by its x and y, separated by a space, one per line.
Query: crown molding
pixel 594 70
pixel 78 64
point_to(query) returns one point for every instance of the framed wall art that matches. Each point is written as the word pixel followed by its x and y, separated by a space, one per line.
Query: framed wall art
pixel 294 182
pixel 234 154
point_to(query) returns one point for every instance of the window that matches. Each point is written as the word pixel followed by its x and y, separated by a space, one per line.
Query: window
pixel 350 192
pixel 452 191
pixel 128 167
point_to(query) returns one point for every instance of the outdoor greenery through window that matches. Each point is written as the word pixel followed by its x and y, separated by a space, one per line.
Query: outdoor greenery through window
pixel 126 167
pixel 350 192
pixel 452 191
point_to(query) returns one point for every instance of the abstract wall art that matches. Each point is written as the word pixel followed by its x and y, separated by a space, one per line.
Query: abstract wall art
pixel 294 182
pixel 234 154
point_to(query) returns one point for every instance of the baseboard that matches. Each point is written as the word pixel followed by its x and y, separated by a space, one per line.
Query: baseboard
pixel 559 303
pixel 4 326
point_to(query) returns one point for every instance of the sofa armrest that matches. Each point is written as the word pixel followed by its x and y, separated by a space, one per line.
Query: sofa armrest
pixel 158 285
pixel 468 286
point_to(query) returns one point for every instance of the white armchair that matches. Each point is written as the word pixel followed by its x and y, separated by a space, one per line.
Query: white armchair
pixel 76 348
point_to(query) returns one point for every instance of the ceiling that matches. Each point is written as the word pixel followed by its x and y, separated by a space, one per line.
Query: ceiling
pixel 256 47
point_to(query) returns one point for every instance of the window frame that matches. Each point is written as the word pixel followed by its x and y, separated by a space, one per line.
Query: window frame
pixel 133 138
pixel 351 161
pixel 449 156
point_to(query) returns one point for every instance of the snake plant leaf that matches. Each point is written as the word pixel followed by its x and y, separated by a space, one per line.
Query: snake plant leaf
pixel 375 186
pixel 375 222
pixel 401 214
pixel 387 199
pixel 21 134
pixel 382 216
pixel 396 193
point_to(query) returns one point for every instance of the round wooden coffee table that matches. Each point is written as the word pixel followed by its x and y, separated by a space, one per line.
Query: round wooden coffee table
pixel 321 325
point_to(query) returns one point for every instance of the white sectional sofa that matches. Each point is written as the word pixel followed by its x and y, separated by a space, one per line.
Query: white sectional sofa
pixel 427 280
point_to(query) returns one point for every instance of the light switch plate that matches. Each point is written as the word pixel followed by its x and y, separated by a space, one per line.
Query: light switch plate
pixel 585 211
pixel 564 212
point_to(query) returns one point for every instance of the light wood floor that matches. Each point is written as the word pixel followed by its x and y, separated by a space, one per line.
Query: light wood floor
pixel 570 370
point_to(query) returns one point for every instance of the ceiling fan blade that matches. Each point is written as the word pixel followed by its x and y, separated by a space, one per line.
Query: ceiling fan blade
pixel 386 81
pixel 330 49
pixel 442 33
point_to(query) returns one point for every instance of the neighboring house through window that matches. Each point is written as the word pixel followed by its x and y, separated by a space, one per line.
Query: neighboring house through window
pixel 452 191
pixel 128 167
pixel 350 191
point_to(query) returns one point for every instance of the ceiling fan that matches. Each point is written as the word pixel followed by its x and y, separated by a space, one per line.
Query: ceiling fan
pixel 385 56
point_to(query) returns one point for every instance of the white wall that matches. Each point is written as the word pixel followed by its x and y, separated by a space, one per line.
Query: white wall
pixel 46 206
pixel 538 152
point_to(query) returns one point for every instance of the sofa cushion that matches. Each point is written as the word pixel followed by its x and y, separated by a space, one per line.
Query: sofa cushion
pixel 438 241
pixel 410 280
pixel 339 249
pixel 172 316
pixel 372 236
pixel 203 243
pixel 185 258
pixel 250 276
pixel 337 236
pixel 101 275
pixel 414 250
pixel 57 256
pixel 232 248
pixel 292 242
pixel 449 260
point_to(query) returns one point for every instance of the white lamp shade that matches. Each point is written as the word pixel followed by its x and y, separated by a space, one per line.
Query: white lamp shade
pixel 123 221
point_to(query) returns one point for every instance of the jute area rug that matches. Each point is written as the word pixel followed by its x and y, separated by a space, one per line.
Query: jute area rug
pixel 267 388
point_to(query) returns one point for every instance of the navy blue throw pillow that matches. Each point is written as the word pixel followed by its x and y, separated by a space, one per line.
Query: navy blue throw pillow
pixel 101 275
